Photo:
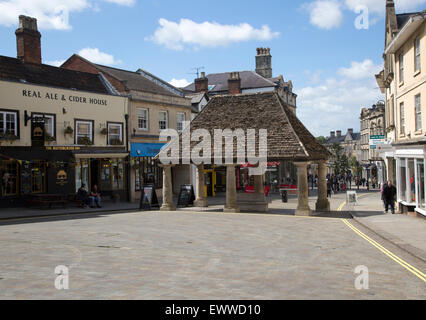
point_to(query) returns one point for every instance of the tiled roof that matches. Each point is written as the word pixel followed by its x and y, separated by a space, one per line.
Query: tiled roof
pixel 288 139
pixel 15 70
pixel 249 80
pixel 135 81
pixel 403 18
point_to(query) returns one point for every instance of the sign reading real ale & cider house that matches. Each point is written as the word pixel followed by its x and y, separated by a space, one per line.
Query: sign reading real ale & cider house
pixel 35 94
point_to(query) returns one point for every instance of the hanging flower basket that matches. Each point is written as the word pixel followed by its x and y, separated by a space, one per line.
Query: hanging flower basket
pixel 68 130
pixel 116 142
pixel 104 131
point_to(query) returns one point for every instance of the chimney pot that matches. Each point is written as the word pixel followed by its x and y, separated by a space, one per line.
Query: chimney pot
pixel 234 83
pixel 28 40
pixel 264 62
pixel 202 83
pixel 332 134
pixel 339 133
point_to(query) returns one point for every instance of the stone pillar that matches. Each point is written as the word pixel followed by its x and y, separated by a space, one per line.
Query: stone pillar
pixel 231 190
pixel 303 208
pixel 258 185
pixel 168 204
pixel 322 205
pixel 200 200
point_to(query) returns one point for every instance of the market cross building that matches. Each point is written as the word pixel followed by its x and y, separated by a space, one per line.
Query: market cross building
pixel 287 139
pixel 58 128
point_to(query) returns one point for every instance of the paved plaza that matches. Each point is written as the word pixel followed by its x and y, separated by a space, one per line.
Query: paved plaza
pixel 193 255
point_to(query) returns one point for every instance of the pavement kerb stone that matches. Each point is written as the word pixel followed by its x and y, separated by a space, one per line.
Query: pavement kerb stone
pixel 417 253
pixel 69 214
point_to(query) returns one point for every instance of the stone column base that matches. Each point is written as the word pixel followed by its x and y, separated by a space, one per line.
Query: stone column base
pixel 304 212
pixel 202 203
pixel 323 206
pixel 231 210
pixel 168 208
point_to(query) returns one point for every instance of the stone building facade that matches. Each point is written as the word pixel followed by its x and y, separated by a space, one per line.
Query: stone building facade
pixel 154 106
pixel 372 122
pixel 403 82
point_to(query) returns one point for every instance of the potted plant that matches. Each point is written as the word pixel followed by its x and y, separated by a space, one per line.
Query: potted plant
pixel 116 142
pixel 84 141
pixel 49 138
pixel 8 136
pixel 68 130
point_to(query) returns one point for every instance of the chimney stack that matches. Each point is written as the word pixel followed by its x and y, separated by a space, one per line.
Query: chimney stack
pixel 350 131
pixel 28 40
pixel 332 134
pixel 234 83
pixel 339 133
pixel 264 62
pixel 202 83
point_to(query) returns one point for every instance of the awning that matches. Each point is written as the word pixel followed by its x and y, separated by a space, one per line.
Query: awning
pixel 145 149
pixel 100 155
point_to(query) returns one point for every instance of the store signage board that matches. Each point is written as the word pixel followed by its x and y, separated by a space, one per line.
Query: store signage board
pixel 376 140
pixel 186 196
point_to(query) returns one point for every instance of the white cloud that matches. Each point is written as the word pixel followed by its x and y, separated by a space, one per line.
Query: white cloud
pixel 379 6
pixel 127 3
pixel 55 63
pixel 338 100
pixel 175 35
pixel 50 14
pixel 360 70
pixel 179 83
pixel 98 57
pixel 325 14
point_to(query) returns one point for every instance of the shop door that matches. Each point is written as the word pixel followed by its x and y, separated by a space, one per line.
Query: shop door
pixel 209 184
pixel 94 173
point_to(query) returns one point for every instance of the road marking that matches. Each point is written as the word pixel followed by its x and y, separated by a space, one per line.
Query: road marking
pixel 391 255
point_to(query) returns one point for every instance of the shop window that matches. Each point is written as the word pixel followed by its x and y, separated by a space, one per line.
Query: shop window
pixel 9 122
pixel 9 177
pixel 38 177
pixel 112 174
pixel 147 172
pixel 421 183
pixel 81 173
pixel 403 179
pixel 49 124
pixel 418 113
pixel 417 54
pixel 180 121
pixel 84 132
pixel 115 134
pixel 411 177
pixel 401 67
pixel 143 119
pixel 402 115
pixel 163 120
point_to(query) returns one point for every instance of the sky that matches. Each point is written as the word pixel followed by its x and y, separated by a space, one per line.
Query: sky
pixel 329 49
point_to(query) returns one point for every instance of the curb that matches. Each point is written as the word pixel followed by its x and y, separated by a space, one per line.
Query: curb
pixel 54 215
pixel 415 252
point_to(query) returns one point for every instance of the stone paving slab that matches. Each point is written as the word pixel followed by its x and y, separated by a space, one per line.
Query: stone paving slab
pixel 188 255
pixel 407 232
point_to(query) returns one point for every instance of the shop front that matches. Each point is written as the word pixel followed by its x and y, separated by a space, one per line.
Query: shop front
pixel 106 170
pixel 29 171
pixel 144 168
pixel 411 191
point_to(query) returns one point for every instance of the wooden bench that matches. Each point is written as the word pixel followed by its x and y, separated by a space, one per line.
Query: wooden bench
pixel 47 200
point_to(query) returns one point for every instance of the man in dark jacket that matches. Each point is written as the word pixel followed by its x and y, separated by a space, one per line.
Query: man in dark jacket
pixel 389 197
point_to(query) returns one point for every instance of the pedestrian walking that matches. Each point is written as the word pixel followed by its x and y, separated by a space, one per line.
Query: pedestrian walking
pixel 389 197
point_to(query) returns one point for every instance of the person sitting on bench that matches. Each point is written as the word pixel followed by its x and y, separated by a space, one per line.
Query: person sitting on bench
pixel 83 196
pixel 95 196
